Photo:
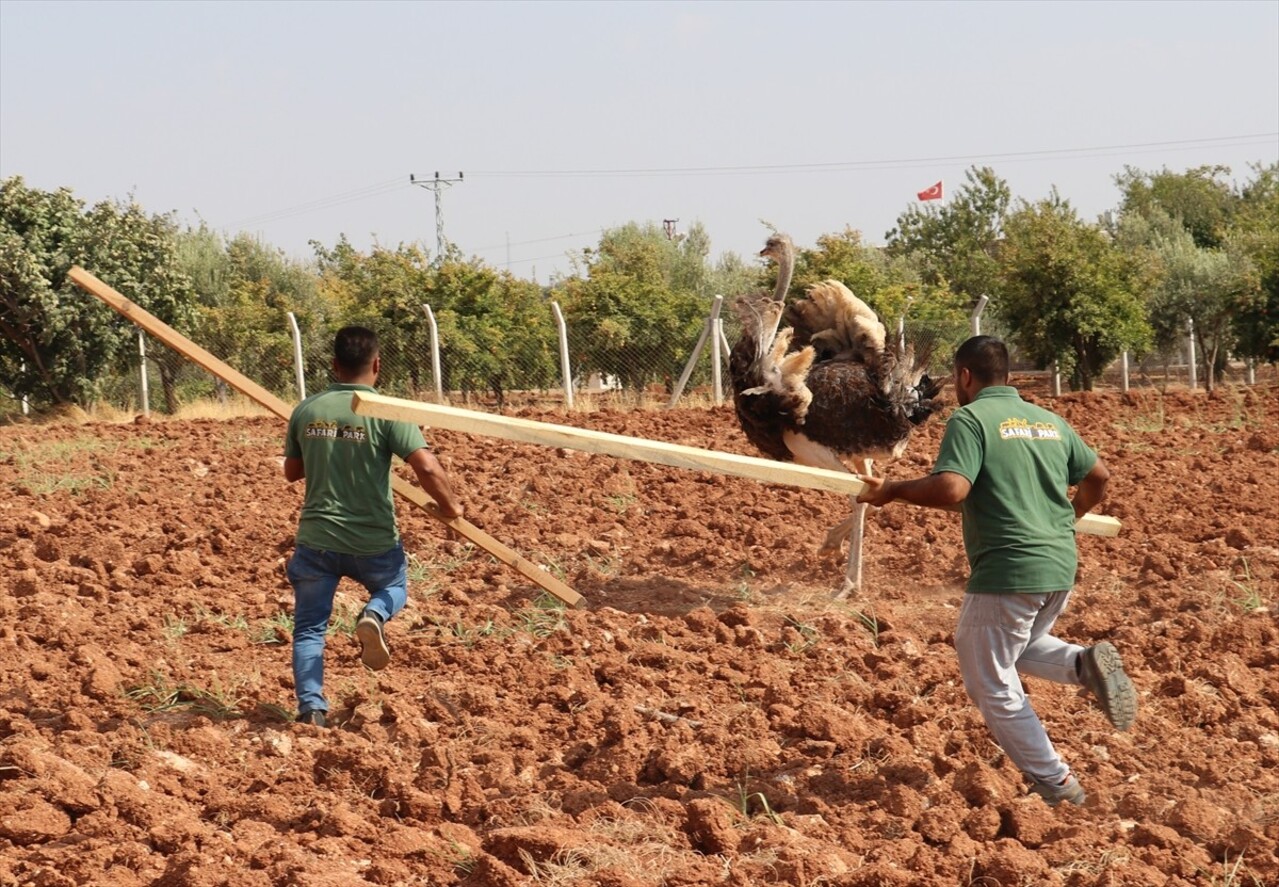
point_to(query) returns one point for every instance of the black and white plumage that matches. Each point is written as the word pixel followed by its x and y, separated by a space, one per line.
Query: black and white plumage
pixel 827 387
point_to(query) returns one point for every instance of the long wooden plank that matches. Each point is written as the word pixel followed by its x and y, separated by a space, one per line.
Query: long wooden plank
pixel 640 449
pixel 237 380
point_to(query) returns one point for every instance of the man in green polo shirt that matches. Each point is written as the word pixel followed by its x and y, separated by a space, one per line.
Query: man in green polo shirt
pixel 348 526
pixel 1007 465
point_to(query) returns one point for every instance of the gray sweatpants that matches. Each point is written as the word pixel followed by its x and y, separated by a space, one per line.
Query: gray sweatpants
pixel 998 636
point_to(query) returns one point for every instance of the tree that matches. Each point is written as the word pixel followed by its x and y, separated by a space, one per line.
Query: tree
pixel 70 342
pixel 1206 286
pixel 384 290
pixel 1065 291
pixel 497 332
pixel 957 242
pixel 1255 232
pixel 1199 199
pixel 637 311
pixel 1207 248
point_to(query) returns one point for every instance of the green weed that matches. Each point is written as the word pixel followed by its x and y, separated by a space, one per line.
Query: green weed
pixel 276 630
pixel 556 569
pixel 751 804
pixel 209 617
pixel 543 618
pixel 174 627
pixel 1230 875
pixel 345 615
pixel 809 636
pixel 162 694
pixel 620 503
pixel 1249 598
pixel 469 636
pixel 610 565
pixel 870 623
pixel 1147 423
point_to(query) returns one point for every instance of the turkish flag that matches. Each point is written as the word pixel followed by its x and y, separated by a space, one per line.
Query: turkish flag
pixel 933 193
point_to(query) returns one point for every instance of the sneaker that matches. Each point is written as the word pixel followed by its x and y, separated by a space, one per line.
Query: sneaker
pixel 1070 791
pixel 314 717
pixel 373 649
pixel 1101 671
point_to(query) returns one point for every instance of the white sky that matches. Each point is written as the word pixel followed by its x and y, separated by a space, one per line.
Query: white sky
pixel 243 114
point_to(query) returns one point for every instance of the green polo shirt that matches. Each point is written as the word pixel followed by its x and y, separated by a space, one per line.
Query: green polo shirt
pixel 1019 525
pixel 347 458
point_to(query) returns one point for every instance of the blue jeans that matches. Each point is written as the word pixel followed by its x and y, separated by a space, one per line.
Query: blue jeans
pixel 314 576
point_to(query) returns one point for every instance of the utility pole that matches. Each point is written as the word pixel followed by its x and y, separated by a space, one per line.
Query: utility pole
pixel 668 225
pixel 437 185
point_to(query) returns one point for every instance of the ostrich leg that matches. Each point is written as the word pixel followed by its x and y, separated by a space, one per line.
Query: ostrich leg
pixel 853 575
pixel 814 455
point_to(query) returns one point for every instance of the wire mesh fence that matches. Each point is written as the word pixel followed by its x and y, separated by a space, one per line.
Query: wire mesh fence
pixel 420 365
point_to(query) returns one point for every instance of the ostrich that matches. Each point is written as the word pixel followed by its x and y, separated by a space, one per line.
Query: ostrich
pixel 828 387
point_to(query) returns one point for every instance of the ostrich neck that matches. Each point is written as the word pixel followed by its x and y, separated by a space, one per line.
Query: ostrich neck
pixel 785 266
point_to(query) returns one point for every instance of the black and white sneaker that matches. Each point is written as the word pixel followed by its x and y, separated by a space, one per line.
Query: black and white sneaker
pixel 374 652
pixel 313 717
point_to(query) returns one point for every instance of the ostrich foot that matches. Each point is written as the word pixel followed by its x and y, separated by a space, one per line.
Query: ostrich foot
pixel 835 537
pixel 848 589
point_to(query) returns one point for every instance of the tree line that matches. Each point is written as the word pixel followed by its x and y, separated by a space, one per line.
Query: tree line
pixel 1179 247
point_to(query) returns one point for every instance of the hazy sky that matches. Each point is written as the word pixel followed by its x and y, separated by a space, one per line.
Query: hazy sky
pixel 303 120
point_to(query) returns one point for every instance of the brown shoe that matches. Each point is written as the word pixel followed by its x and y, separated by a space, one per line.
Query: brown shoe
pixel 373 649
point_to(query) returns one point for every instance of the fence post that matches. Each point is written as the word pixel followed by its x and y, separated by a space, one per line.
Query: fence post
pixel 142 352
pixel 1190 350
pixel 26 407
pixel 297 357
pixel 435 353
pixel 1123 372
pixel 566 372
pixel 974 322
pixel 1056 379
pixel 717 373
pixel 707 329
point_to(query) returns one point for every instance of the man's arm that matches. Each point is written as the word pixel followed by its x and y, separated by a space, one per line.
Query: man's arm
pixel 1092 489
pixel 430 474
pixel 293 469
pixel 945 490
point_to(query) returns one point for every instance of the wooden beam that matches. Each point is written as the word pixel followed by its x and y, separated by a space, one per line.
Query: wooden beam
pixel 640 449
pixel 237 380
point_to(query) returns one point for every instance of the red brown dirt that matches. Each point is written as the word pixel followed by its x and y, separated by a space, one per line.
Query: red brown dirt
pixel 145 690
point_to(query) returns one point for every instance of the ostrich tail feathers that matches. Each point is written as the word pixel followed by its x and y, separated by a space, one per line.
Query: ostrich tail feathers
pixel 759 315
pixel 906 382
pixel 785 377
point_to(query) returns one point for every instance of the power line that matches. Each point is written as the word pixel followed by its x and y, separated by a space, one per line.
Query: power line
pixel 320 203
pixel 481 249
pixel 838 166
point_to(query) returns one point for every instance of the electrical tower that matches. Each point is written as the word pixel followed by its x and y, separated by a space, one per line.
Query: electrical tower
pixel 437 185
pixel 668 225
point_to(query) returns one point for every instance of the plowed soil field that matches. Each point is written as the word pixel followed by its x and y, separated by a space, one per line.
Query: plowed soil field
pixel 711 716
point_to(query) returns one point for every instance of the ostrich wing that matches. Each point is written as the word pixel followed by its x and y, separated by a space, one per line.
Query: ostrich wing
pixel 837 324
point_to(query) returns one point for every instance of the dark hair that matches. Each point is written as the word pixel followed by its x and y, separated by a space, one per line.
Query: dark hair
pixel 354 348
pixel 986 358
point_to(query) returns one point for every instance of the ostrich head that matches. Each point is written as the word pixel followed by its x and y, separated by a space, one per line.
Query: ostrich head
pixel 779 246
pixel 781 250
